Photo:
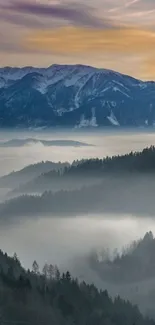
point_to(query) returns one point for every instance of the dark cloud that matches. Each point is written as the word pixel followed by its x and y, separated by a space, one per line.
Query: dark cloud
pixel 73 13
pixel 17 19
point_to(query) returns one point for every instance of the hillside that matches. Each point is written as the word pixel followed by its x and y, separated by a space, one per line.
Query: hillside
pixel 135 263
pixel 47 143
pixel 26 174
pixel 88 172
pixel 74 95
pixel 129 272
pixel 137 198
pixel 86 186
pixel 48 297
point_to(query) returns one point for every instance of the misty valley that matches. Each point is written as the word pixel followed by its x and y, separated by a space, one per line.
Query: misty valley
pixel 77 225
pixel 77 162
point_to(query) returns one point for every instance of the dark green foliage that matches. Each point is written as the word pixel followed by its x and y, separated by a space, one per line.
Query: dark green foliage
pixel 91 186
pixel 84 172
pixel 16 179
pixel 143 161
pixel 29 297
pixel 135 264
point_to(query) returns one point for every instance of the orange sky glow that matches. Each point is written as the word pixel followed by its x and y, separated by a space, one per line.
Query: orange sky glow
pixel 114 34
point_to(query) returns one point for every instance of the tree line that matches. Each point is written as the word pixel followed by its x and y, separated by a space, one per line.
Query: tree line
pixel 54 298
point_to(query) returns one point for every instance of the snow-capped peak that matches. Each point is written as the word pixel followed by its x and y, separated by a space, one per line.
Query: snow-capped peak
pixel 75 94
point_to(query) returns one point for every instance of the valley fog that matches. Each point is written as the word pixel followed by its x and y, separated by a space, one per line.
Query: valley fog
pixel 102 144
pixel 62 214
pixel 59 240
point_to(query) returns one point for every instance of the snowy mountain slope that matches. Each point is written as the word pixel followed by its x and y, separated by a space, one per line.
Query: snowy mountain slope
pixel 74 95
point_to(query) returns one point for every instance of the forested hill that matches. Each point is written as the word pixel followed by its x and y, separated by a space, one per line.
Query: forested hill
pixel 30 172
pixel 89 186
pixel 135 162
pixel 135 264
pixel 143 161
pixel 84 172
pixel 48 297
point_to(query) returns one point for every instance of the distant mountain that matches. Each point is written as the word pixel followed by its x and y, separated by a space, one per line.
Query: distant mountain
pixel 29 172
pixel 46 143
pixel 74 95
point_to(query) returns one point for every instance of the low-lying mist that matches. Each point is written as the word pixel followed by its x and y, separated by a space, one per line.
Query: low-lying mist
pixel 60 240
pixel 112 195
pixel 61 220
pixel 68 243
pixel 102 143
pixel 87 229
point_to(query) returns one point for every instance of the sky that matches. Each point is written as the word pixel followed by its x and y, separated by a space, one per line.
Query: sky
pixel 113 34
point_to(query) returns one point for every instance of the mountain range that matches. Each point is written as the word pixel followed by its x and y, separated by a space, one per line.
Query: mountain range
pixel 74 96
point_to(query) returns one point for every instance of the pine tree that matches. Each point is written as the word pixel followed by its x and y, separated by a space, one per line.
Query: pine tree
pixel 35 268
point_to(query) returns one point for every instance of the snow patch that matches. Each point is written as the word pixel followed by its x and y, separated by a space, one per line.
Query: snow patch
pixel 112 118
pixel 142 85
pixel 88 122
pixel 105 89
pixel 78 78
pixel 122 92
pixel 41 86
pixel 81 85
pixel 61 111
pixel 72 81
pixel 113 103
pixel 120 84
pixel 2 83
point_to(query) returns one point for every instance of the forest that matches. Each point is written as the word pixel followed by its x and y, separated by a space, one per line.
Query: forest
pixel 56 176
pixel 86 186
pixel 50 297
pixel 124 267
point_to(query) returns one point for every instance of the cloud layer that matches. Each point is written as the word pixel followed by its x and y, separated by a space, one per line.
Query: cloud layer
pixel 76 14
pixel 36 32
